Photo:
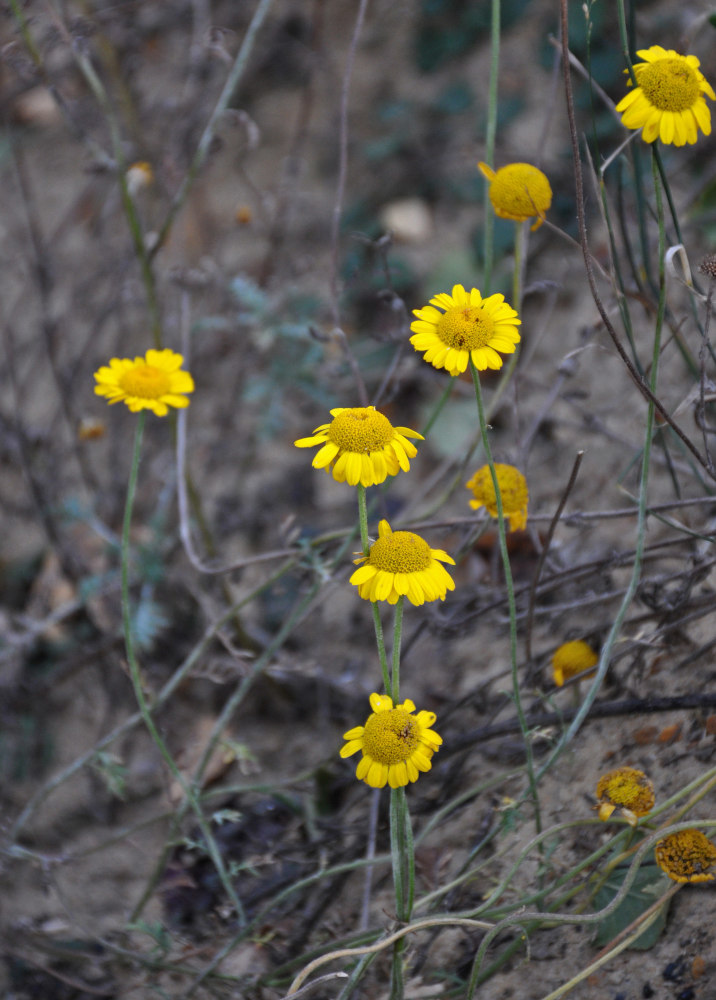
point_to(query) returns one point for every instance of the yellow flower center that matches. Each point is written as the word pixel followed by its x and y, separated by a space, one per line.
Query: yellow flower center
pixel 669 84
pixel 520 190
pixel 145 381
pixel 466 327
pixel 361 430
pixel 400 552
pixel 391 736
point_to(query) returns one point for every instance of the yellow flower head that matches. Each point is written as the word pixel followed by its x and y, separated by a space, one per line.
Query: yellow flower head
pixel 686 856
pixel 361 446
pixel 153 382
pixel 513 491
pixel 668 101
pixel 572 658
pixel 518 191
pixel 468 327
pixel 396 744
pixel 628 790
pixel 402 564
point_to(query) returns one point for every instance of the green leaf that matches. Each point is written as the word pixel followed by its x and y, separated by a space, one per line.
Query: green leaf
pixel 647 887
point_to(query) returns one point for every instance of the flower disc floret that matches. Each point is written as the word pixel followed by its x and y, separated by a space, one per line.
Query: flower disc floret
pixel 627 789
pixel 396 743
pixel 154 382
pixel 572 658
pixel 668 101
pixel 687 856
pixel 513 492
pixel 402 564
pixel 467 327
pixel 360 445
pixel 519 192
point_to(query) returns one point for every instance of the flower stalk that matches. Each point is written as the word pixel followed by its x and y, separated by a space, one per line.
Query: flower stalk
pixel 136 679
pixel 510 589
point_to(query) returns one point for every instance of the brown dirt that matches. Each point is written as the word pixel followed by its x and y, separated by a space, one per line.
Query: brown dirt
pixel 73 297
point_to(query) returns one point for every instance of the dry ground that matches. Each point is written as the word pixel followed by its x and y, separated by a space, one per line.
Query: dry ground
pixel 246 270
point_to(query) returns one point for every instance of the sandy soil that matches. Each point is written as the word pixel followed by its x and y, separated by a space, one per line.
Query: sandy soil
pixel 246 270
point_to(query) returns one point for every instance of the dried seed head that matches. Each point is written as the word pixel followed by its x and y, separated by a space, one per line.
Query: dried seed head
pixel 708 265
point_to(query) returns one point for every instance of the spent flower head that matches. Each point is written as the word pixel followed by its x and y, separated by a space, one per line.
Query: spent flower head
pixel 519 192
pixel 687 856
pixel 468 327
pixel 401 563
pixel 627 789
pixel 708 266
pixel 360 445
pixel 668 101
pixel 154 382
pixel 397 744
pixel 572 658
pixel 513 491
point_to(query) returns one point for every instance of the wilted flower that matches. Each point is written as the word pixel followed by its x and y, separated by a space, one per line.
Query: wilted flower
pixel 513 491
pixel 686 856
pixel 518 191
pixel 572 658
pixel 627 789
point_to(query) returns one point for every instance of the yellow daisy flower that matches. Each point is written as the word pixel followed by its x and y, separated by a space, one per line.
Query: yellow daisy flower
pixel 396 744
pixel 572 658
pixel 513 490
pixel 153 382
pixel 518 191
pixel 402 564
pixel 686 856
pixel 468 327
pixel 360 445
pixel 627 789
pixel 668 101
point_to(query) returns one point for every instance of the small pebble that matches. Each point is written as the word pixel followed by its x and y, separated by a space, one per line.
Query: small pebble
pixel 674 971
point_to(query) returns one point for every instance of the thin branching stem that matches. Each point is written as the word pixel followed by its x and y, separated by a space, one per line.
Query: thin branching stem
pixel 137 683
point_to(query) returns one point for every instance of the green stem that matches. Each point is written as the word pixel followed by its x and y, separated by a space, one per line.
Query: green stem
pixel 606 653
pixel 363 518
pixel 397 637
pixel 203 148
pixel 403 858
pixel 136 679
pixel 520 243
pixel 377 624
pixel 437 409
pixel 509 369
pixel 397 844
pixel 130 210
pixel 397 831
pixel 509 587
pixel 490 133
